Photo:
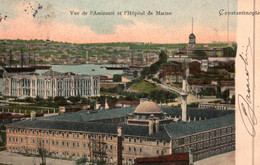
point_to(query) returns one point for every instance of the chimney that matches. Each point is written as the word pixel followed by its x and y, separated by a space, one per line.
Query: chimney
pixel 190 156
pixel 33 115
pixel 156 126
pixel 150 127
pixel 119 145
pixel 106 104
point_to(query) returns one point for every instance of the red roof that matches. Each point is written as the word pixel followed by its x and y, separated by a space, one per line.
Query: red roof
pixel 165 158
pixel 174 73
pixel 210 85
pixel 128 102
pixel 227 83
pixel 7 116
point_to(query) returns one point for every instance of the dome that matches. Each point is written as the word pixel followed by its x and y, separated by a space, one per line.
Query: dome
pixel 192 35
pixel 148 107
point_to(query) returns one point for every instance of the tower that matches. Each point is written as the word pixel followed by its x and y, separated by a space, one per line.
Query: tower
pixel 184 93
pixel 10 57
pixel 192 37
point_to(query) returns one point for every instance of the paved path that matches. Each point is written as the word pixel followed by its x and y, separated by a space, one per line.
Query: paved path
pixel 192 99
pixel 16 159
pixel 222 159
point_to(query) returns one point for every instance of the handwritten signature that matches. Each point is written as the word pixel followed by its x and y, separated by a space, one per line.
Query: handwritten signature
pixel 245 102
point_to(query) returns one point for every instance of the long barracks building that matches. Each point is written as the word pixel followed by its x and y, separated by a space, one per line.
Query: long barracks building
pixel 147 130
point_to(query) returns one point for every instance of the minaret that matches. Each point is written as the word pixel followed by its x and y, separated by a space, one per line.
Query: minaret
pixel 10 57
pixel 184 93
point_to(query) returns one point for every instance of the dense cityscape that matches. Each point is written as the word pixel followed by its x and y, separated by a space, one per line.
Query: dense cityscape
pixel 117 103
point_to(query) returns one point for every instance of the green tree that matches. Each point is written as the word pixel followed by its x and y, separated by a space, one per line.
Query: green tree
pixel 135 74
pixel 85 101
pixel 145 72
pixel 74 99
pixel 154 68
pixel 81 161
pixel 117 78
pixel 60 100
pixel 29 99
pixel 200 53
pixel 162 57
pixel 229 52
pixel 225 95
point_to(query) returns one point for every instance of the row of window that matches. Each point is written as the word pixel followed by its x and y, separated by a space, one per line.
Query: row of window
pixel 206 144
pixel 57 133
pixel 213 152
pixel 204 136
pixel 80 135
pixel 68 144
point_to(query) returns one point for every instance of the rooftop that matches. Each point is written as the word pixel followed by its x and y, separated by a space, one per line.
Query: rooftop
pixel 179 129
pixel 84 115
pixel 148 107
pixel 93 127
pixel 172 130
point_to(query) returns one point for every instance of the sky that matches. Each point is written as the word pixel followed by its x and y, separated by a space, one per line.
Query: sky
pixel 52 19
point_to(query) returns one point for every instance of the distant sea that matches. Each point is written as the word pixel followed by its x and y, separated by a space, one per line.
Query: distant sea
pixel 87 69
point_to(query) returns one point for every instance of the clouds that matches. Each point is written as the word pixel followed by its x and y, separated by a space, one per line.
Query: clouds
pixel 54 21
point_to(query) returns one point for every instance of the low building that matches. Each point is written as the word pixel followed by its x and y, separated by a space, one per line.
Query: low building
pixel 125 103
pixel 171 72
pixel 216 106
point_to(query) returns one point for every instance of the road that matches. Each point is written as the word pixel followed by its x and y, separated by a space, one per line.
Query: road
pixel 190 99
pixel 16 159
pixel 222 159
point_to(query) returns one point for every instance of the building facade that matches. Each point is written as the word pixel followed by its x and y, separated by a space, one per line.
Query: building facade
pixel 50 84
pixel 74 139
pixel 171 72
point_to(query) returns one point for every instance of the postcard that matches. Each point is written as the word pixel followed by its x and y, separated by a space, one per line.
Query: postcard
pixel 129 82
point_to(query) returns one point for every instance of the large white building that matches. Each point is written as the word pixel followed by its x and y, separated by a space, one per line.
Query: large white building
pixel 50 83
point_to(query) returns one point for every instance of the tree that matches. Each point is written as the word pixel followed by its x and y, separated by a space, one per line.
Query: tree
pixel 200 53
pixel 162 57
pixel 29 99
pixel 85 101
pixel 225 95
pixel 74 99
pixel 39 99
pixel 81 161
pixel 41 150
pixel 117 78
pixel 135 74
pixel 60 100
pixel 229 52
pixel 155 67
pixel 145 72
